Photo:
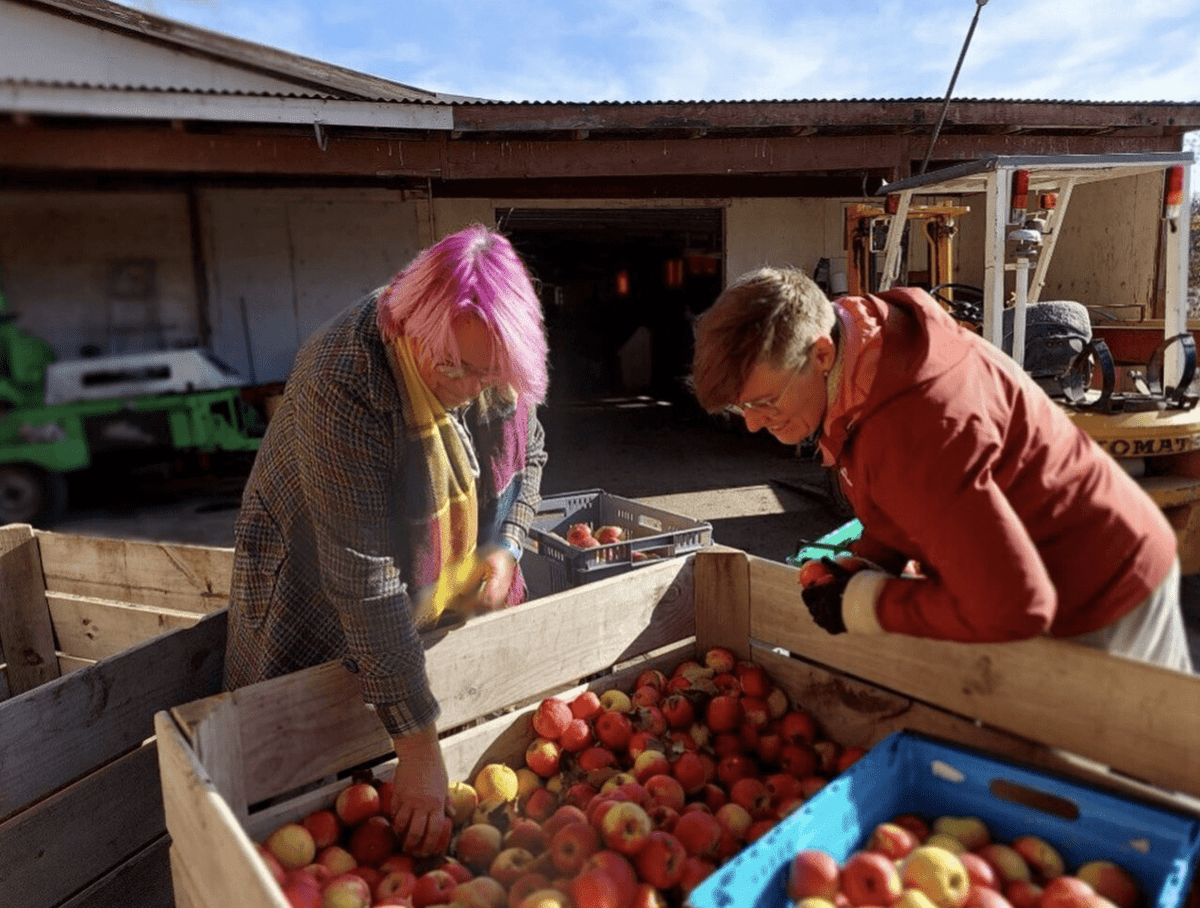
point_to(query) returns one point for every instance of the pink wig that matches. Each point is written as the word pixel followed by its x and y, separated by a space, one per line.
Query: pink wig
pixel 473 272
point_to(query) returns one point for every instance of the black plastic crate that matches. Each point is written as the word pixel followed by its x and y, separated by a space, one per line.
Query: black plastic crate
pixel 551 564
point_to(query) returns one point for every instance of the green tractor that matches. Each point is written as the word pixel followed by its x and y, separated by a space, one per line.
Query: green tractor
pixel 62 417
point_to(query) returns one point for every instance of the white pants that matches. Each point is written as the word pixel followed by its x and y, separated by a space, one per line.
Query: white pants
pixel 1152 632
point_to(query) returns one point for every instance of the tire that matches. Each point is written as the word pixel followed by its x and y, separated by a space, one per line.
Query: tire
pixel 29 494
pixel 1055 333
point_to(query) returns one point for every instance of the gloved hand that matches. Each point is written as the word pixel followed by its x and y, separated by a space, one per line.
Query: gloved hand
pixel 824 598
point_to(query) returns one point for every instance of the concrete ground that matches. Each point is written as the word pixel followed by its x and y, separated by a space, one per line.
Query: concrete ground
pixel 758 495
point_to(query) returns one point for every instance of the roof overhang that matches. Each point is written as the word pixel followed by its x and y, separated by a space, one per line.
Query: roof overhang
pixel 169 105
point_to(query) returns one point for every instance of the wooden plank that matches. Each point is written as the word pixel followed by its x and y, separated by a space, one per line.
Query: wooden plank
pixel 69 726
pixel 67 841
pixel 1145 724
pixel 489 664
pixel 144 880
pixel 855 712
pixel 96 628
pixel 187 893
pixel 190 578
pixel 26 633
pixel 722 601
pixel 215 849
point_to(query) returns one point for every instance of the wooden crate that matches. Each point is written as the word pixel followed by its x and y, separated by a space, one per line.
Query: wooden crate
pixel 98 635
pixel 1055 705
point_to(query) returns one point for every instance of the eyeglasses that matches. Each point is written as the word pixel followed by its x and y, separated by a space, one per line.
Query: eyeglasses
pixel 451 372
pixel 767 406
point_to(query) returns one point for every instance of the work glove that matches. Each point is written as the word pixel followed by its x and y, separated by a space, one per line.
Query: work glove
pixel 824 597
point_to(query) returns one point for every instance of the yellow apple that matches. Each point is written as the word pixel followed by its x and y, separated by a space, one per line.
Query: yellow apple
pixel 938 873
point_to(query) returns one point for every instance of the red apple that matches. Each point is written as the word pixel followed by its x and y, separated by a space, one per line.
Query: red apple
pixel 797 758
pixel 980 871
pixel 1067 892
pixel 356 802
pixel 324 827
pixel 869 878
pixel 509 864
pixel 720 659
pixel 734 767
pixel 695 872
pixel 734 819
pixel 985 897
pixel 347 890
pixel 613 729
pixel 754 680
pixel 650 719
pixel 1042 857
pixel 372 840
pixel 797 725
pixel 651 677
pixel 813 873
pixel 586 705
pixel 398 883
pixel 699 832
pixel 572 845
pixel 750 793
pixel 724 713
pixel 567 813
pixel 891 840
pixel 677 709
pixel 661 860
pixel 478 845
pixel 434 887
pixel 689 769
pixel 625 827
pixel 1022 893
pixel 1112 882
pixel 667 790
pixel 543 756
pixel 914 824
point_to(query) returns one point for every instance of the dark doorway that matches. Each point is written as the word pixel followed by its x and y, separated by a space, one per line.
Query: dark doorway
pixel 620 288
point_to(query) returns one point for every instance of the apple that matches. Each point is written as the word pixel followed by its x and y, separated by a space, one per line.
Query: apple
pixel 372 840
pixel 272 862
pixel 579 794
pixel 946 842
pixel 1067 892
pixel 689 769
pixel 891 840
pixel 938 873
pixel 782 786
pixel 985 897
pixel 531 881
pixel 810 785
pixel 651 763
pixel 1022 893
pixel 433 887
pixel 661 859
pixel 913 823
pixel 478 845
pixel 750 793
pixel 827 752
pixel 336 859
pixel 650 719
pixel 651 677
pixel 727 683
pixel 593 758
pixel 398 883
pixel 769 748
pixel 480 892
pixel 356 802
pixel 970 830
pixel 813 873
pixel 566 813
pixel 1111 881
pixel 699 832
pixel 576 736
pixel 755 712
pixel 461 799
pixel 526 833
pixel 850 755
pixel 572 845
pixel 614 700
pixel 551 717
pixel 813 901
pixel 509 864
pixel 346 890
pixel 754 679
pixel 663 817
pixel 548 897
pixel 1043 858
pixel 540 805
pixel 613 729
pixel 645 696
pixel 734 819
pixel 398 862
pixel 797 725
pixel 678 711
pixel 914 898
pixel 543 756
pixel 607 535
pixel 734 767
pixel 723 713
pixel 797 758
pixel 720 659
pixel 695 872
pixel 869 878
pixel 777 702
pixel 665 789
pixel 587 705
pixel 648 896
pixel 625 827
pixel 370 875
pixel 292 845
pixel 1008 864
pixel 301 891
pixel 324 827
pixel 980 871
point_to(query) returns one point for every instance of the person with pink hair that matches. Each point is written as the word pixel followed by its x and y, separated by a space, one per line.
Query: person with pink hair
pixel 393 491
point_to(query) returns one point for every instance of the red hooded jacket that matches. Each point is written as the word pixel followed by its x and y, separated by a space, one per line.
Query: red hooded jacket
pixel 1021 523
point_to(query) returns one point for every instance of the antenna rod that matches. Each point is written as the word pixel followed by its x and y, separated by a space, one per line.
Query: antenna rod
pixel 979 5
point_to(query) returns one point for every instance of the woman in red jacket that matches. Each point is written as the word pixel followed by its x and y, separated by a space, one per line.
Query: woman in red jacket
pixel 952 457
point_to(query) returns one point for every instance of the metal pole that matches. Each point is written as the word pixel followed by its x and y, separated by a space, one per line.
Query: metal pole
pixel 979 5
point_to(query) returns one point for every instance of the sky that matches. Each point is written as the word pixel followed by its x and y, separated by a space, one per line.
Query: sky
pixel 728 50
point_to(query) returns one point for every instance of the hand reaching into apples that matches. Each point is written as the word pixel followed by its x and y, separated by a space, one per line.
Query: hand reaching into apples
pixel 823 596
pixel 419 793
pixel 502 568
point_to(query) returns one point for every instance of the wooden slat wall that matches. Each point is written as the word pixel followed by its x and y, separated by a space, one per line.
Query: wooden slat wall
pixel 26 633
pixel 188 578
pixel 67 841
pixel 93 628
pixel 494 662
pixel 74 724
pixel 1147 725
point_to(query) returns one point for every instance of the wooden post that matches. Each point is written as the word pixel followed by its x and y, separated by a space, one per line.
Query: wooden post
pixel 26 632
pixel 722 600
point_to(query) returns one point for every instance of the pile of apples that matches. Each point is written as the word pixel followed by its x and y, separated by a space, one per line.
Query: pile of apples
pixel 625 800
pixel 953 862
pixel 581 536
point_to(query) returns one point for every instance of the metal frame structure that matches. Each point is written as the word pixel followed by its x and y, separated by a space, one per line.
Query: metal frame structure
pixel 992 175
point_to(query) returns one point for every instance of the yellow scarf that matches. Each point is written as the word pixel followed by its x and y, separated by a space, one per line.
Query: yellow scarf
pixel 445 562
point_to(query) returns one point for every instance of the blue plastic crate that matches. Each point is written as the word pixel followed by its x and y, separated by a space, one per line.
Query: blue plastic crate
pixel 908 773
pixel 835 542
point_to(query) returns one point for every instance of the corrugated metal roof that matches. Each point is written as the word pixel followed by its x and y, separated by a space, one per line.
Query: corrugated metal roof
pixel 830 101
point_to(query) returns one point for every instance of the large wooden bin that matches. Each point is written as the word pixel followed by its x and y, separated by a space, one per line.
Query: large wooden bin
pixel 1055 705
pixel 98 635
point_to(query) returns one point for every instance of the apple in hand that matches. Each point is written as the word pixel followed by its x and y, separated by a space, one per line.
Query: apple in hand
pixel 869 878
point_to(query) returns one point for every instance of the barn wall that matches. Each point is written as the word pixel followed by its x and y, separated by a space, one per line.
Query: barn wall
pixel 112 270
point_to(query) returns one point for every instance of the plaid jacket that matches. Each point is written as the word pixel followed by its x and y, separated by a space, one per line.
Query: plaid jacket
pixel 323 540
